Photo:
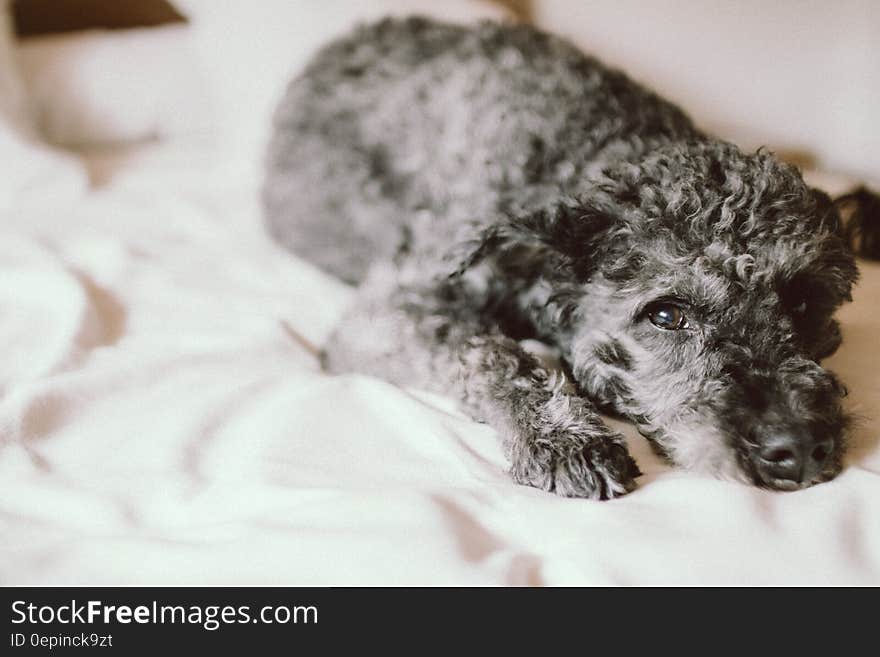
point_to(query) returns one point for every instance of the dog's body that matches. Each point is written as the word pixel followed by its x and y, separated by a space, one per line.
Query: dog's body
pixel 484 185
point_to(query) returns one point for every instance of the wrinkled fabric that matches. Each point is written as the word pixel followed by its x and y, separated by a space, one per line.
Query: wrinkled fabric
pixel 164 420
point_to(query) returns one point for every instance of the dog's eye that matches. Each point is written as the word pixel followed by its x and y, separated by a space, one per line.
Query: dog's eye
pixel 667 316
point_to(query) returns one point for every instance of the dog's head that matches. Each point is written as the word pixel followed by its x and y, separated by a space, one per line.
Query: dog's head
pixel 706 284
pixel 708 309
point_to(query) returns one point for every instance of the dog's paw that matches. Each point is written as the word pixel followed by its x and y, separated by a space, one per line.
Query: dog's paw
pixel 601 470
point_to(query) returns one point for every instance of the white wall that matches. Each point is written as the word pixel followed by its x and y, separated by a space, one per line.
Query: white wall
pixel 791 74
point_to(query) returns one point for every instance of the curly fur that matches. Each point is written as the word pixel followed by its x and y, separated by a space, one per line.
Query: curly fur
pixel 485 185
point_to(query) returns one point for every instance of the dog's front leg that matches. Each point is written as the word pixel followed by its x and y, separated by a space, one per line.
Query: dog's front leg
pixel 555 440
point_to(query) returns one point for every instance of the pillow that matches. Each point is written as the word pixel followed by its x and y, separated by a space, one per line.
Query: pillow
pixel 250 50
pixel 28 170
pixel 102 86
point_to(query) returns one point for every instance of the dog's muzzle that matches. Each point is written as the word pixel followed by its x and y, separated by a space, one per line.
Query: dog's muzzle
pixel 789 423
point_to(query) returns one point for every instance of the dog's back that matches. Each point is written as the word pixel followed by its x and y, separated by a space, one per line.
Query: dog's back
pixel 397 133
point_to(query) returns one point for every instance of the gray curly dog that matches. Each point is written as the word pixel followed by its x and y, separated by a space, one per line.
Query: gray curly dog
pixel 492 184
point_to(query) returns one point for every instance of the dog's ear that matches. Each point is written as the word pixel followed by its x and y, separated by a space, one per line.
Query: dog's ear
pixel 860 228
pixel 567 237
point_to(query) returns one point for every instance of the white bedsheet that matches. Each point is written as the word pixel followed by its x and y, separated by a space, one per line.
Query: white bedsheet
pixel 163 421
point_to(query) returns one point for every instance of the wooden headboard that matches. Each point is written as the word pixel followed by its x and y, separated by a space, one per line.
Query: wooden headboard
pixel 34 17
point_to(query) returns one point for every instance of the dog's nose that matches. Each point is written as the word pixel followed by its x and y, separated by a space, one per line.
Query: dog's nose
pixel 791 457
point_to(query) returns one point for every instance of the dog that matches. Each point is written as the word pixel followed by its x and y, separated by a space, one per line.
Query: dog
pixel 489 185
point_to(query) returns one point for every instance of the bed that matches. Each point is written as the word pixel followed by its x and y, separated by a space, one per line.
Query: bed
pixel 164 420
